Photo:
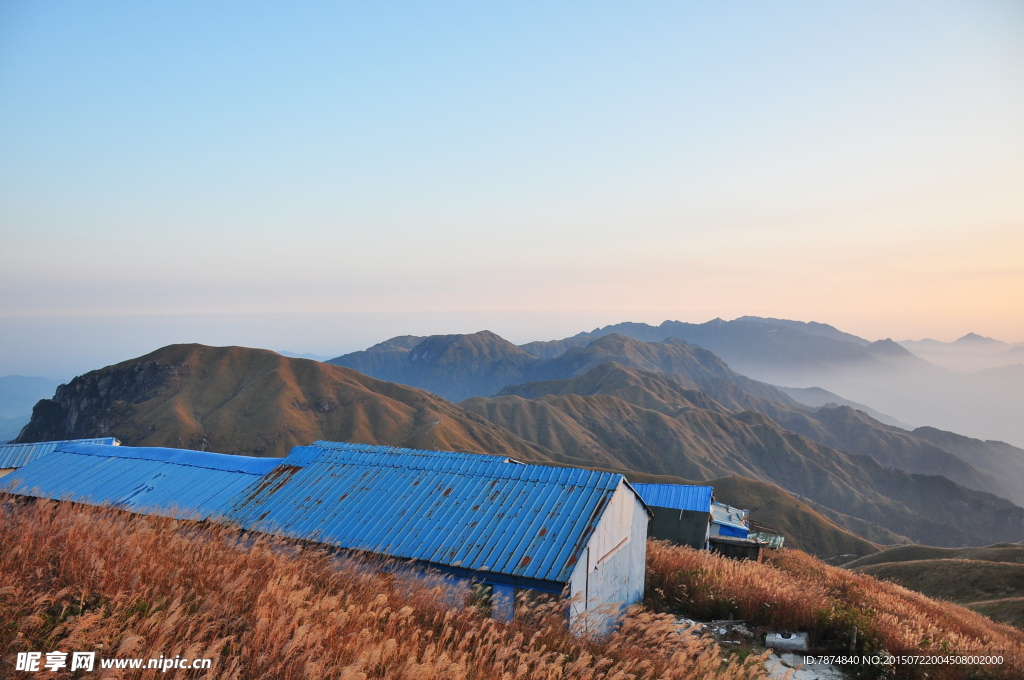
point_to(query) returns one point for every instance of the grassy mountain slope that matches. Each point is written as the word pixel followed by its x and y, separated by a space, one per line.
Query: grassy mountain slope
pixel 255 402
pixel 171 588
pixel 881 374
pixel 480 364
pixel 994 586
pixel 999 552
pixel 853 431
pixel 999 459
pixel 867 530
pixel 842 428
pixel 659 430
pixel 1008 610
pixel 989 580
pixel 816 397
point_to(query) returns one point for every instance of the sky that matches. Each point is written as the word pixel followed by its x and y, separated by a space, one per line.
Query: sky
pixel 319 177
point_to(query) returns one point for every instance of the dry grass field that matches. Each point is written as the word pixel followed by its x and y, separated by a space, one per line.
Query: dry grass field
pixel 74 578
pixel 82 579
pixel 794 591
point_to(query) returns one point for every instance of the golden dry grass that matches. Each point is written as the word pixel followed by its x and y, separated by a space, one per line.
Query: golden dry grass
pixel 76 578
pixel 793 591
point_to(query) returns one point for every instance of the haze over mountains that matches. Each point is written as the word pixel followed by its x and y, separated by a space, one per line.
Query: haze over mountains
pixel 887 376
pixel 968 354
pixel 602 400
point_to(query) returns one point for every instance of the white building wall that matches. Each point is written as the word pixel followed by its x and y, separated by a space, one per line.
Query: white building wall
pixel 610 573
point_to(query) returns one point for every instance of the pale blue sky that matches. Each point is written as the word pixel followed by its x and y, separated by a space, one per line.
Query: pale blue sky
pixel 192 168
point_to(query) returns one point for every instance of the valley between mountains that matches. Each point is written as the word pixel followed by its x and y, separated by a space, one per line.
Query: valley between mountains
pixel 839 480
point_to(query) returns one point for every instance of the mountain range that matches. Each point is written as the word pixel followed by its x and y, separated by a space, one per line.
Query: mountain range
pixel 910 381
pixel 655 408
pixel 482 364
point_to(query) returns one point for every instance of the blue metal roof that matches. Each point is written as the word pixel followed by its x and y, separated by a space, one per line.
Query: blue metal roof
pixel 171 482
pixel 375 448
pixel 18 455
pixel 468 512
pixel 677 496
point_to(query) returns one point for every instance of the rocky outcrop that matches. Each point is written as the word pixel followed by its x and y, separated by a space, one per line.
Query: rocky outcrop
pixel 93 404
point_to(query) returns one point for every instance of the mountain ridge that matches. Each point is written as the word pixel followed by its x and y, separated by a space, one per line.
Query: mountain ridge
pixel 195 396
pixel 483 361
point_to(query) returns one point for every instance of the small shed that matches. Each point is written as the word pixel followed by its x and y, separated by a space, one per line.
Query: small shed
pixel 766 534
pixel 478 519
pixel 682 513
pixel 736 548
pixel 170 482
pixel 728 521
pixel 14 456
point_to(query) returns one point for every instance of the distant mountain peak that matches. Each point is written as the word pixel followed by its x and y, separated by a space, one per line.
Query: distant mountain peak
pixel 888 347
pixel 975 339
pixel 482 345
pixel 399 342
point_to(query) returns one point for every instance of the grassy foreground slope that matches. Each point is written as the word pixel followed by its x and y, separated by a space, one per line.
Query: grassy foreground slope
pixel 793 591
pixel 88 579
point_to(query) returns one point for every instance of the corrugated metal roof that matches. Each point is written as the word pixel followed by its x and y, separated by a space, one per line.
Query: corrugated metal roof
pixel 469 512
pixel 678 496
pixel 18 455
pixel 374 448
pixel 729 516
pixel 171 482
